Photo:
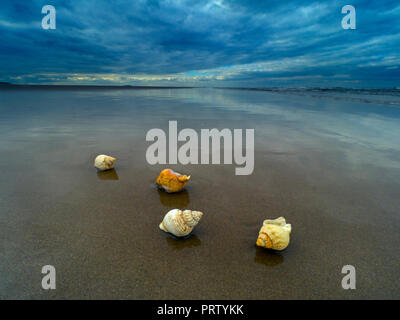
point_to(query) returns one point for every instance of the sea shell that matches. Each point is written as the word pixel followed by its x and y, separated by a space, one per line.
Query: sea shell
pixel 180 223
pixel 103 162
pixel 172 181
pixel 274 234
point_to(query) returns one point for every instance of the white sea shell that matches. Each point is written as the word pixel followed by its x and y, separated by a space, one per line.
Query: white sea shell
pixel 274 234
pixel 180 223
pixel 103 162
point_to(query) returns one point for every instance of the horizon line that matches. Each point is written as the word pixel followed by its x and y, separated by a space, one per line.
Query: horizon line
pixel 108 86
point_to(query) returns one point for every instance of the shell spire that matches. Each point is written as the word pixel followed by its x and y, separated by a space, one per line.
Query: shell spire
pixel 191 217
pixel 184 178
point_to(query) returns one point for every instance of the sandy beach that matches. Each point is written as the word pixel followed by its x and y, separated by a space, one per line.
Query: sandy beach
pixel 331 167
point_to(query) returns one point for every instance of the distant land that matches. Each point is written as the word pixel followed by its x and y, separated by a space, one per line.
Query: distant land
pixel 320 89
pixel 75 86
pixel 272 89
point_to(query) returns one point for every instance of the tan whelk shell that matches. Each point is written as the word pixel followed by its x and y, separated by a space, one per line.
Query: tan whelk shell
pixel 180 223
pixel 103 162
pixel 172 181
pixel 274 234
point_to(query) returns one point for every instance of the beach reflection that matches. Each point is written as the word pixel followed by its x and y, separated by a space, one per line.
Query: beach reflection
pixel 108 175
pixel 267 257
pixel 181 243
pixel 174 200
pixel 317 162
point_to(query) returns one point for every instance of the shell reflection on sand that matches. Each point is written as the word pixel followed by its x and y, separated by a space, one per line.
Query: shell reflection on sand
pixel 108 175
pixel 177 243
pixel 268 258
pixel 174 200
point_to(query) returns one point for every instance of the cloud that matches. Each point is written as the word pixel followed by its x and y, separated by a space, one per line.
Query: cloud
pixel 211 42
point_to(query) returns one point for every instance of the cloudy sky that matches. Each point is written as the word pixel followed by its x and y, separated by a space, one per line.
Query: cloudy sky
pixel 253 43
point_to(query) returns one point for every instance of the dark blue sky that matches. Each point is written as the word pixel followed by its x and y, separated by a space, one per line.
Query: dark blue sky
pixel 250 43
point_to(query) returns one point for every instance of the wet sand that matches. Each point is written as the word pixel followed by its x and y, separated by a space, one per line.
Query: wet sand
pixel 331 168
